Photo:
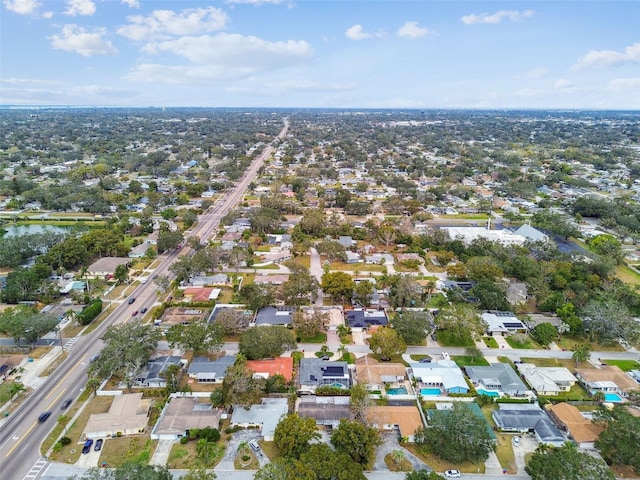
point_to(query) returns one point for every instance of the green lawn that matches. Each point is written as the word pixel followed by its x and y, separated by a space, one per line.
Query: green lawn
pixel 490 342
pixel 317 338
pixel 465 360
pixel 624 365
pixel 528 343
pixel 447 340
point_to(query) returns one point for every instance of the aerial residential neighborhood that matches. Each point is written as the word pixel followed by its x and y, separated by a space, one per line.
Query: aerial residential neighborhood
pixel 256 296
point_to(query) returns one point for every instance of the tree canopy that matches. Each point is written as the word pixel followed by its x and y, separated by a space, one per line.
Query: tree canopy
pixel 387 343
pixel 566 463
pixel 357 440
pixel 618 443
pixel 293 434
pixel 198 336
pixel 266 342
pixel 411 326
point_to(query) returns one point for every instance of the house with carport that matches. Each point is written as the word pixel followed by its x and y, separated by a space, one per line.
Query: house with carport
pixel 326 411
pixel 127 415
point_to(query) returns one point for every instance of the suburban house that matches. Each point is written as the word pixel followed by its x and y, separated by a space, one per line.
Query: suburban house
pixel 182 414
pixel 205 370
pixel 219 279
pixel 580 429
pixel 264 416
pixel 517 293
pixel 379 259
pixel 106 267
pixel 179 316
pixel 346 241
pixel 532 234
pixel 200 294
pixel 526 417
pixel 353 257
pixel 496 380
pixel 364 318
pixel 270 279
pixel 326 411
pixel 153 375
pixel 502 323
pixel 139 251
pixel 610 380
pixel 315 372
pixel 279 315
pixel 128 415
pixel 405 419
pixel 390 378
pixel 266 368
pixel 439 377
pixel 547 380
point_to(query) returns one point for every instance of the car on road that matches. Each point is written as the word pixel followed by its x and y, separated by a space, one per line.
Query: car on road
pixel 131 300
pixel 452 474
pixel 66 403
pixel 98 446
pixel 94 358
pixel 135 312
pixel 143 311
pixel 43 416
pixel 516 441
pixel 86 448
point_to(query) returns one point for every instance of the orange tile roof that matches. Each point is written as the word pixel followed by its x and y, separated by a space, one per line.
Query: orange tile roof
pixel 407 418
pixel 580 428
pixel 281 365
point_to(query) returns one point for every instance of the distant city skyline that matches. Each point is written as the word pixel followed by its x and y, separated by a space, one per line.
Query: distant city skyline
pixel 321 54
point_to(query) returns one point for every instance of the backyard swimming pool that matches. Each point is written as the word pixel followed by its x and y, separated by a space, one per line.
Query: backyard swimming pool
pixel 397 391
pixel 430 391
pixel 482 391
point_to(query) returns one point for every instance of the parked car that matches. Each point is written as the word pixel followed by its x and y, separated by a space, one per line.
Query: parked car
pixel 516 441
pixel 143 311
pixel 131 300
pixel 43 416
pixel 66 404
pixel 86 448
pixel 452 474
pixel 98 446
pixel 425 360
pixel 254 445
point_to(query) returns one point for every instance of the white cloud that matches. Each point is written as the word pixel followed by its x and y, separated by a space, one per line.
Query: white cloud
pixel 79 40
pixel 132 3
pixel 161 23
pixel 221 57
pixel 608 58
pixel 493 18
pixel 48 14
pixel 22 7
pixel 412 30
pixel 562 83
pixel 535 73
pixel 624 84
pixel 26 81
pixel 80 7
pixel 357 33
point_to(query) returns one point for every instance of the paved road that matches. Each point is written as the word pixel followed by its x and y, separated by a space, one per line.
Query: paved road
pixel 21 434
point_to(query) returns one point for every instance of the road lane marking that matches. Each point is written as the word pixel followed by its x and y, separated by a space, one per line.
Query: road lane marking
pixel 26 434
pixel 56 399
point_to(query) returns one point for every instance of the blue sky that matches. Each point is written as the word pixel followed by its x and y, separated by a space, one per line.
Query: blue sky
pixel 323 53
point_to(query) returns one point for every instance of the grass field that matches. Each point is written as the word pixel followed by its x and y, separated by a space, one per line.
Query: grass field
pixel 138 449
pixel 528 343
pixel 185 456
pixel 624 365
pixel 556 362
pixel 490 342
pixel 627 275
pixel 440 465
pixel 464 361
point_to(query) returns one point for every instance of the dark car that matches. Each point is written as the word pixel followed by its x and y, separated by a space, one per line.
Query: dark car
pixel 144 310
pixel 131 300
pixel 86 448
pixel 425 360
pixel 43 416
pixel 98 446
pixel 134 313
pixel 66 404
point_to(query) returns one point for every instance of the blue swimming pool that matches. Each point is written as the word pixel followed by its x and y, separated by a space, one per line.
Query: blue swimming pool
pixel 488 393
pixel 430 391
pixel 397 391
pixel 337 385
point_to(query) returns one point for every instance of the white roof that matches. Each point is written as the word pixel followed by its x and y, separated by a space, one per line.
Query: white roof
pixel 445 372
pixel 469 234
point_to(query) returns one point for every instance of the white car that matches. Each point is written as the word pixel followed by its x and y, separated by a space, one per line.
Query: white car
pixel 516 441
pixel 452 474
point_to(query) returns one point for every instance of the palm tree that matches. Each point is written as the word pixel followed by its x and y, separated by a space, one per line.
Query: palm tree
pixel 15 389
pixel 397 456
pixel 581 353
pixel 205 449
pixel 93 384
pixel 62 420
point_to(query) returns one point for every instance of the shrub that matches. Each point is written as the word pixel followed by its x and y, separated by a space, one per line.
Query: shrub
pixel 90 312
pixel 65 441
pixel 184 440
pixel 233 429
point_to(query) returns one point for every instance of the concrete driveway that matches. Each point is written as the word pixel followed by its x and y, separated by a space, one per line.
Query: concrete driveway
pixel 389 444
pixel 226 464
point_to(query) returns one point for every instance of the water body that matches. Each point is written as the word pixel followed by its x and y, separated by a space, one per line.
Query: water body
pixel 19 230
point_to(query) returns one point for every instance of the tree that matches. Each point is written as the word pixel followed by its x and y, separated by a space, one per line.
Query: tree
pixel 618 443
pixel 338 284
pixel 398 456
pixel 360 402
pixel 581 353
pixel 198 336
pixel 411 326
pixel 555 223
pixel 25 322
pixel 126 471
pixel 405 291
pixel 461 322
pixel 491 295
pixel 310 323
pixel 457 435
pixel 357 440
pixel 199 474
pixel 205 449
pixel 483 268
pixel 544 333
pixel 608 321
pixel 423 474
pixel 334 251
pixel 121 274
pixel 256 296
pixel 300 289
pixel 168 240
pixel 265 342
pixel 474 353
pixel 285 469
pixel 15 389
pixel 566 463
pixel 232 321
pixel 313 222
pixel 386 342
pixel 607 246
pixel 63 420
pixel 239 386
pixel 330 465
pixel 363 292
pixel 387 235
pixel 128 347
pixel 293 434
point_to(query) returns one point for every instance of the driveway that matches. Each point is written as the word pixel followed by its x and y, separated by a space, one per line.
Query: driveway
pixel 226 464
pixel 389 444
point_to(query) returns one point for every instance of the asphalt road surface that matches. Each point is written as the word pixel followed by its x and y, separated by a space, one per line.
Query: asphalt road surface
pixel 21 434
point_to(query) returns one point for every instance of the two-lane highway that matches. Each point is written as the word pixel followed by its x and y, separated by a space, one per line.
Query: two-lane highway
pixel 21 434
